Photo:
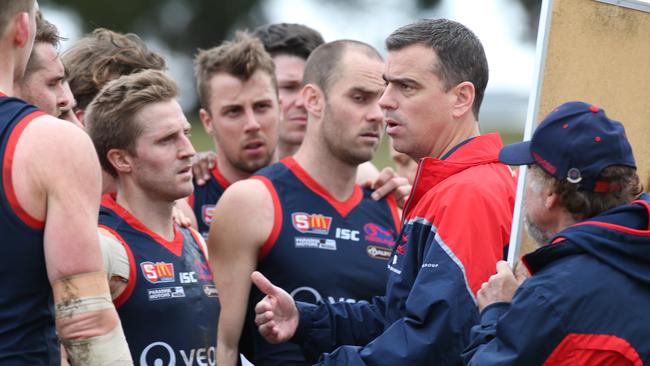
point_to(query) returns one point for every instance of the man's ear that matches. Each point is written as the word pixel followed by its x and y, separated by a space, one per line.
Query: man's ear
pixel 206 120
pixel 314 100
pixel 20 25
pixel 552 199
pixel 121 160
pixel 80 113
pixel 464 94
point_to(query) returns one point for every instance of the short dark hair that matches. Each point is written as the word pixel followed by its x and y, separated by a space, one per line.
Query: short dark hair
pixel 460 54
pixel 289 39
pixel 583 204
pixel 102 56
pixel 47 33
pixel 324 63
pixel 110 116
pixel 240 58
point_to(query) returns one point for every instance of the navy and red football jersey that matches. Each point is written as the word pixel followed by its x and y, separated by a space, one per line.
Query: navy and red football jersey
pixel 320 249
pixel 170 308
pixel 205 198
pixel 27 332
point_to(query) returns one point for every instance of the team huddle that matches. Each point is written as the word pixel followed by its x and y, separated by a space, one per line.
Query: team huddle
pixel 286 245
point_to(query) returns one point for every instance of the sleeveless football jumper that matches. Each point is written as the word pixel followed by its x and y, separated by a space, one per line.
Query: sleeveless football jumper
pixel 27 333
pixel 320 249
pixel 169 309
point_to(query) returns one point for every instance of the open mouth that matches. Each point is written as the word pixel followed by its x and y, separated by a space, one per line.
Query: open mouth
pixel 391 123
pixel 253 145
pixel 186 170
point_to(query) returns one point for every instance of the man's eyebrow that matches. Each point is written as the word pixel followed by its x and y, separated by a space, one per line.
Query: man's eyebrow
pixel 364 90
pixel 404 80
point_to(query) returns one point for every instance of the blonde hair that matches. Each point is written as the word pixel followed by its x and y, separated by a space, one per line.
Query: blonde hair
pixel 110 118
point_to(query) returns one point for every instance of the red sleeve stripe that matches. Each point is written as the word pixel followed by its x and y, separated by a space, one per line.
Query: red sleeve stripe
pixel 277 218
pixel 121 299
pixel 7 182
pixel 594 349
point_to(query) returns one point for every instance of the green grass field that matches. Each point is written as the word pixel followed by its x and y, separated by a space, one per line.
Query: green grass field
pixel 203 142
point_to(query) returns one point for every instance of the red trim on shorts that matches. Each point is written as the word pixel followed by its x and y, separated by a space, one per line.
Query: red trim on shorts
pixel 7 182
pixel 593 349
pixel 133 276
pixel 392 204
pixel 221 180
pixel 343 207
pixel 175 246
pixel 277 218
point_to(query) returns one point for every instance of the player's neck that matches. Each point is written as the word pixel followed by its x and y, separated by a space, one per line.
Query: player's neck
pixel 153 213
pixel 6 77
pixel 463 130
pixel 283 150
pixel 336 176
pixel 228 171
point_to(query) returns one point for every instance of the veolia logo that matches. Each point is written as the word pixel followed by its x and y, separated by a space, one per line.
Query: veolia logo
pixel 158 361
pixel 162 354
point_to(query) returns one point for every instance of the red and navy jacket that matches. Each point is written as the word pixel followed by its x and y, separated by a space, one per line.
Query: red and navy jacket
pixel 205 198
pixel 456 227
pixel 320 249
pixel 27 333
pixel 586 303
pixel 169 309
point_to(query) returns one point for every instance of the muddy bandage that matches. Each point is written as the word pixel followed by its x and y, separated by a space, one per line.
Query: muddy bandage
pixel 80 294
pixel 84 293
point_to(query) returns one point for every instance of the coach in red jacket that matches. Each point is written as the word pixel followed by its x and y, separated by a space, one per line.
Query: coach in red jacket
pixel 456 222
pixel 588 298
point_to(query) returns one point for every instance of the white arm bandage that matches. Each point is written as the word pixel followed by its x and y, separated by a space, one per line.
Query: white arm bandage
pixel 79 299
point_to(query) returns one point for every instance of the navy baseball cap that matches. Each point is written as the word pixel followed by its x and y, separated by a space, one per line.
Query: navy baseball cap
pixel 576 141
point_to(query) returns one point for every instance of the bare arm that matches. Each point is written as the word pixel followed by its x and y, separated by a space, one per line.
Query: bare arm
pixel 60 184
pixel 242 222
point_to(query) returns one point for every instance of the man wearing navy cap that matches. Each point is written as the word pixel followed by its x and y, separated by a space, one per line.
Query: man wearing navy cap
pixel 587 299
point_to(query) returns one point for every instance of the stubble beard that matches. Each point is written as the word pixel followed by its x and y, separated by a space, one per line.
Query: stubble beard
pixel 540 236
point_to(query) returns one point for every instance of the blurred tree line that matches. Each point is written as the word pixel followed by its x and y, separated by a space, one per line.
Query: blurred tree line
pixel 185 25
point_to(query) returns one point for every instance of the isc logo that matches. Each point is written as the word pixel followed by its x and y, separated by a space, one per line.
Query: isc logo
pixel 187 277
pixel 347 234
pixel 158 272
pixel 311 223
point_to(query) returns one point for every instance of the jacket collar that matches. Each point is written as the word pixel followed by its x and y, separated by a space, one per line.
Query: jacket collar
pixel 431 171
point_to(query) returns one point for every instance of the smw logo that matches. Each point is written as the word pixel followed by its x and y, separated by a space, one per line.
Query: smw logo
pixel 311 223
pixel 158 272
pixel 207 213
